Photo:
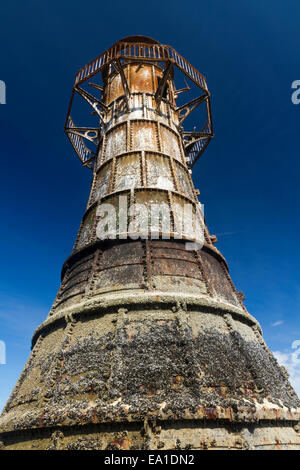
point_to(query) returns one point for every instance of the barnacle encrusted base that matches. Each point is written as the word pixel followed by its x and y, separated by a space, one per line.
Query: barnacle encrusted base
pixel 166 370
pixel 148 344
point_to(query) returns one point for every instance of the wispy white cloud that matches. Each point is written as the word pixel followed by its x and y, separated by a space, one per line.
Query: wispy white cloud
pixel 19 314
pixel 223 234
pixel 277 323
pixel 290 359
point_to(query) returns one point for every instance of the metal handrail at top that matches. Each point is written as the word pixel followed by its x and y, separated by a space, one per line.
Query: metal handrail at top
pixel 152 52
pixel 138 51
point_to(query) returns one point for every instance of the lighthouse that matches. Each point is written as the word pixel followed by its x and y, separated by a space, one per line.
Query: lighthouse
pixel 148 344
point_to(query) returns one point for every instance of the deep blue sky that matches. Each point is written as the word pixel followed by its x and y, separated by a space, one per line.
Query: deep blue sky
pixel 248 177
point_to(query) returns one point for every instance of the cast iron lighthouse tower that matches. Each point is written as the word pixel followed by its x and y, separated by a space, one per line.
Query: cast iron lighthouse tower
pixel 148 344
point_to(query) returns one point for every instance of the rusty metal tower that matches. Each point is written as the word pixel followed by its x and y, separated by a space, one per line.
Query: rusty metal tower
pixel 148 345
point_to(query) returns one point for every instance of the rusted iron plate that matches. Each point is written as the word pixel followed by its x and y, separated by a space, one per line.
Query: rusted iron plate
pixel 125 75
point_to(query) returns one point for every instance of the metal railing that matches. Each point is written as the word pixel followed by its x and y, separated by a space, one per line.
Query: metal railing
pixel 138 51
pixel 85 155
pixel 197 148
pixel 153 52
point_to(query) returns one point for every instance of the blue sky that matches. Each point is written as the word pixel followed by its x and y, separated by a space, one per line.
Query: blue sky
pixel 248 176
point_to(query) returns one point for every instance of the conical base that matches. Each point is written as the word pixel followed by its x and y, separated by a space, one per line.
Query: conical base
pixel 151 368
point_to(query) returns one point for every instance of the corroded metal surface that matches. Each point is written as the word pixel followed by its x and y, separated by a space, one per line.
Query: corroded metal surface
pixel 141 154
pixel 156 360
pixel 137 76
pixel 148 345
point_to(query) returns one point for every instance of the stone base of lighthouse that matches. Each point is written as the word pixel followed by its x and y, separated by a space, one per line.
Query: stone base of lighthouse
pixel 137 365
pixel 162 435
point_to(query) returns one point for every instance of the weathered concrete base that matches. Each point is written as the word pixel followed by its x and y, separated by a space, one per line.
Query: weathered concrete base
pixel 180 435
pixel 116 355
pixel 165 371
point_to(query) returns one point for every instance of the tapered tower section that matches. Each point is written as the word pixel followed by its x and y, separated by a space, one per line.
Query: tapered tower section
pixel 148 344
